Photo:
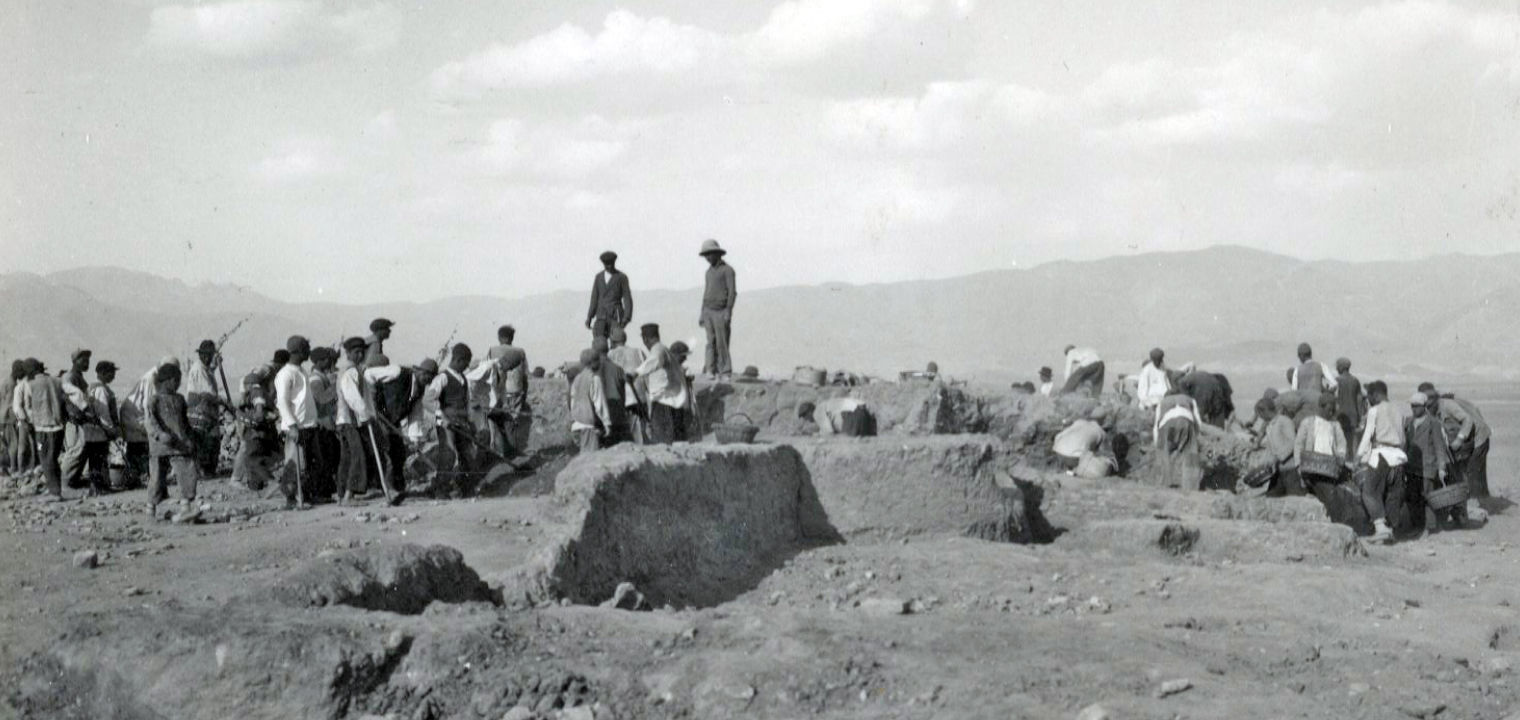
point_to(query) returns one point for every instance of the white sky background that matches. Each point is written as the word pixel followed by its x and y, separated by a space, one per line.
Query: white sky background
pixel 366 151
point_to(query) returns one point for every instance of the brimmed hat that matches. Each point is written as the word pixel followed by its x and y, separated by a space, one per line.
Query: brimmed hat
pixel 105 366
pixel 79 354
pixel 608 257
pixel 379 324
pixel 711 247
pixel 1419 399
pixel 206 346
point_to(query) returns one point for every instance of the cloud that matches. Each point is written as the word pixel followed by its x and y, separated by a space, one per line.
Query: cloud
pixel 297 160
pixel 945 115
pixel 382 128
pixel 797 33
pixel 250 29
pixel 516 149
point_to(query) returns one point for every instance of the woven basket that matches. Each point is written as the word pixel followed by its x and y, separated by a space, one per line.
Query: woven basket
pixel 1319 465
pixel 1450 496
pixel 727 433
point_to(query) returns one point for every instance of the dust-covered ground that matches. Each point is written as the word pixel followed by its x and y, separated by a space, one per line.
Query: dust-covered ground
pixel 175 622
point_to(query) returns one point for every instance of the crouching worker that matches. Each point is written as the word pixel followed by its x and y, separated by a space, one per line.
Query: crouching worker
pixel 1080 439
pixel 171 445
pixel 846 416
pixel 1430 466
pixel 1176 437
pixel 1321 452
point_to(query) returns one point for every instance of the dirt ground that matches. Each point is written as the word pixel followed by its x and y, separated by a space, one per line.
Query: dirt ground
pixel 917 626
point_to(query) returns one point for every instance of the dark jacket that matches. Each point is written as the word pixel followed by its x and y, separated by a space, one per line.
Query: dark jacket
pixel 1426 445
pixel 1350 403
pixel 611 301
pixel 615 387
pixel 168 424
pixel 722 289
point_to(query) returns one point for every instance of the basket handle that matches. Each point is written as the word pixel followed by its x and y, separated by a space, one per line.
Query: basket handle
pixel 747 418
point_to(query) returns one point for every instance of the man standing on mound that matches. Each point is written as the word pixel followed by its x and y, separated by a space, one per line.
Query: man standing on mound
pixel 718 311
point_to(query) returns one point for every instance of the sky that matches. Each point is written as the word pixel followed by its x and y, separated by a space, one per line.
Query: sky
pixel 371 150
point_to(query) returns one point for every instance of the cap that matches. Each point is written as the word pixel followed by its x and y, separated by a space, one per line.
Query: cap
pixel 105 366
pixel 80 353
pixel 1157 355
pixel 298 343
pixel 428 365
pixel 650 328
pixel 609 256
pixel 679 348
pixel 379 324
pixel 281 356
pixel 1419 398
pixel 711 247
pixel 932 367
pixel 461 350
pixel 320 354
pixel 354 343
pixel 1304 349
pixel 169 360
pixel 588 356
pixel 206 346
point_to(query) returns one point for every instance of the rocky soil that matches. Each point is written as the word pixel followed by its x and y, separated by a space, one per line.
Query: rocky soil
pixel 1148 604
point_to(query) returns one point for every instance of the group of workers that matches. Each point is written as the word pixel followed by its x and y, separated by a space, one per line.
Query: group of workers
pixel 347 426
pixel 1322 434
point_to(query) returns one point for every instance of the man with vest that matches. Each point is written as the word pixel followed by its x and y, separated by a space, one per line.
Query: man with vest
pixel 510 418
pixel 204 397
pixel 1311 376
pixel 450 393
pixel 106 428
pixel 611 299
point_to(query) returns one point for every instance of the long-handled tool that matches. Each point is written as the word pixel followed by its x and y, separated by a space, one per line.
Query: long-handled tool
pixel 385 484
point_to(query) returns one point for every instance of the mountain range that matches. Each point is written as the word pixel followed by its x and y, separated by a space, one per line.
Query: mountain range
pixel 1230 309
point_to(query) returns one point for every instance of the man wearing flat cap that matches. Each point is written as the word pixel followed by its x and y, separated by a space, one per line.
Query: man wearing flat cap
pixel 78 412
pixel 718 310
pixel 204 397
pixel 99 435
pixel 298 425
pixel 611 299
pixel 379 332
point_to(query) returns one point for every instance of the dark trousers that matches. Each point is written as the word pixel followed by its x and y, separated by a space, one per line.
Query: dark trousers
pixel 324 466
pixel 666 424
pixel 186 473
pixel 24 452
pixel 393 448
pixel 97 456
pixel 460 439
pixel 1376 485
pixel 136 470
pixel 207 436
pixel 1420 512
pixel 355 458
pixel 1286 483
pixel 300 449
pixel 1477 472
pixel 49 447
pixel 1087 374
pixel 601 328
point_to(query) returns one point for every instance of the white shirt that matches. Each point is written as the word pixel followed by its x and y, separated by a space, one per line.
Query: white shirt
pixel 292 398
pixel 355 404
pixel 198 379
pixel 1047 388
pixel 1080 358
pixel 1152 385
pixel 667 384
pixel 829 414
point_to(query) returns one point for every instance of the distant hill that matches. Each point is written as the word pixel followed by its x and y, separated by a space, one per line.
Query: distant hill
pixel 1236 310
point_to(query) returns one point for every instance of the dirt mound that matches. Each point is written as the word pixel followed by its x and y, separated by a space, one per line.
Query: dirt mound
pixel 686 524
pixel 395 578
pixel 1074 501
pixel 922 408
pixel 904 486
pixel 550 400
pixel 1237 540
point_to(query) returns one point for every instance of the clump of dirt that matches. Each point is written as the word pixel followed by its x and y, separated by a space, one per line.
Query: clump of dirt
pixel 395 578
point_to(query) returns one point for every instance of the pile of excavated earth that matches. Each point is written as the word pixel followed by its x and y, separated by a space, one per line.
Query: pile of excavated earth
pixel 943 569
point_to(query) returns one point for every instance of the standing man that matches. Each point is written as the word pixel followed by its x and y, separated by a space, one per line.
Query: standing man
pixel 589 420
pixel 718 311
pixel 323 381
pixel 1469 434
pixel 76 390
pixel 618 396
pixel 1430 463
pixel 511 419
pixel 611 299
pixel 1311 376
pixel 8 464
pixel 374 345
pixel 355 410
pixel 298 423
pixel 1381 451
pixel 45 411
pixel 204 397
pixel 173 449
pixel 629 358
pixel 1350 402
pixel 450 393
pixel 667 389
pixel 1083 368
pixel 1047 383
pixel 418 423
pixel 1154 381
pixel 106 428
pixel 24 449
